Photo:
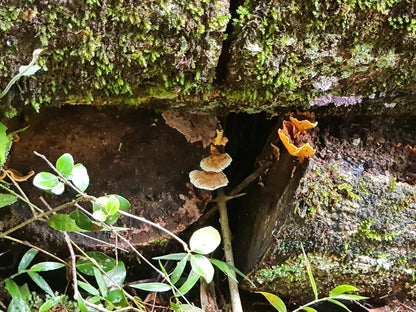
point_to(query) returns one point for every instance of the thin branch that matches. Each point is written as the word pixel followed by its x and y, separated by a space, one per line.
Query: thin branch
pixel 137 252
pixel 185 245
pixel 20 197
pixel 228 250
pixel 99 241
pixel 35 247
pixel 40 216
pixel 73 265
pixel 253 176
pixel 20 190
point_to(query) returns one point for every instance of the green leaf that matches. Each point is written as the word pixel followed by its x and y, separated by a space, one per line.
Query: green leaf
pixel 58 189
pixel 180 267
pixel 50 303
pixel 309 271
pixel 189 283
pixel 152 287
pixel 223 267
pixel 5 144
pixel 24 290
pixel 349 297
pixel 309 309
pixel 174 256
pixel 341 289
pixel 18 305
pixel 217 262
pixel 81 305
pixel 80 178
pixel 117 274
pixel 88 288
pixel 12 288
pixel 83 221
pixel 7 199
pixel 99 215
pixel 27 259
pixel 41 282
pixel 339 304
pixel 203 267
pixel 63 222
pixel 124 203
pixel 45 181
pixel 275 301
pixel 65 164
pixel 46 266
pixel 117 298
pixel 100 282
pixel 27 70
pixel 205 240
pixel 85 266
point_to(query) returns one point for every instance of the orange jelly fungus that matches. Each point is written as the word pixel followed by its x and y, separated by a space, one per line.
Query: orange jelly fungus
pixel 303 125
pixel 286 134
pixel 220 139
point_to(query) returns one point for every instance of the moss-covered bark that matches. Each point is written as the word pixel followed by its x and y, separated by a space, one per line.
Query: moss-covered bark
pixel 167 53
pixel 319 52
pixel 130 52
pixel 353 209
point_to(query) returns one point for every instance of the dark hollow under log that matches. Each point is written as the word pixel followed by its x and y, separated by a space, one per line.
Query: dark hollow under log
pixel 132 153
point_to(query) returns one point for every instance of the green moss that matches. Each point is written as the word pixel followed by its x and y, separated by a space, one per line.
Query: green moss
pixel 8 16
pixel 364 231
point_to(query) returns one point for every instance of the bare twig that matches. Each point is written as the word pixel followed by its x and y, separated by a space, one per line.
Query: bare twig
pixel 73 265
pixel 20 190
pixel 184 244
pixel 254 175
pixel 35 247
pixel 228 250
pixel 40 216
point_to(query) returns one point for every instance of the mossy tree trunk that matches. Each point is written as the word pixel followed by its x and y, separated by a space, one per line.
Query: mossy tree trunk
pixel 172 54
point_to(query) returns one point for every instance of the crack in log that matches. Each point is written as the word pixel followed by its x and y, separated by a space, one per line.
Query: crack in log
pixel 221 70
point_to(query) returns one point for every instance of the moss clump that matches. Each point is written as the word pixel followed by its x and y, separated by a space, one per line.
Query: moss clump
pixel 284 49
pixel 115 52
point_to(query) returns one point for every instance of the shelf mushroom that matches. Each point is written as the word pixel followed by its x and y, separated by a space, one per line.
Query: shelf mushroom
pixel 216 162
pixel 208 180
pixel 211 177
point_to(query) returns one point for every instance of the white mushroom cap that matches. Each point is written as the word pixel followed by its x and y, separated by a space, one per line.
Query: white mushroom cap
pixel 216 162
pixel 208 180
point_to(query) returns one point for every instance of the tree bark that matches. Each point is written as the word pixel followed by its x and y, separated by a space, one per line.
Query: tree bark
pixel 352 205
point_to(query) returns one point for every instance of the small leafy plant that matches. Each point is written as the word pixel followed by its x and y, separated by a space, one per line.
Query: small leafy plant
pixel 21 295
pixel 98 280
pixel 202 242
pixel 340 292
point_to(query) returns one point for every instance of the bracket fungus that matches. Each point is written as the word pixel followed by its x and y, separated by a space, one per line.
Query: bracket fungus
pixel 294 136
pixel 208 180
pixel 216 162
pixel 211 176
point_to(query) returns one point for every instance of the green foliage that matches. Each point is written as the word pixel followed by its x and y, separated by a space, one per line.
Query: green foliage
pixel 77 174
pixel 202 242
pixel 6 140
pixel 7 199
pixel 340 292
